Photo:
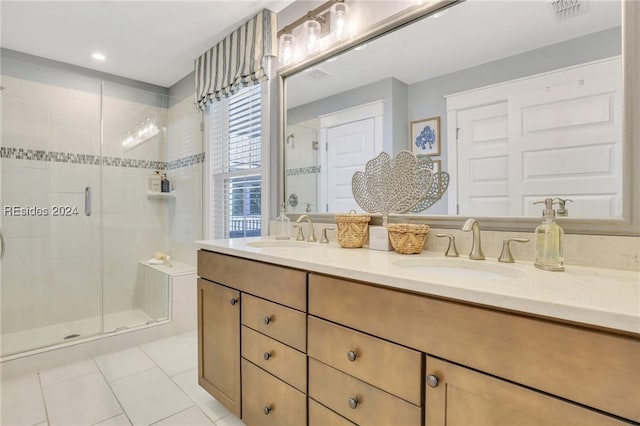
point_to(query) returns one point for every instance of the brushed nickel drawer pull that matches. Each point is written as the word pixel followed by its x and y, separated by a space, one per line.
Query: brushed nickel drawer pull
pixel 266 356
pixel 433 381
pixel 266 410
pixel 267 320
pixel 352 355
pixel 233 301
pixel 353 403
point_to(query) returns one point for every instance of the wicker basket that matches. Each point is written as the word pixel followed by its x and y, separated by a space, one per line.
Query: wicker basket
pixel 407 238
pixel 353 229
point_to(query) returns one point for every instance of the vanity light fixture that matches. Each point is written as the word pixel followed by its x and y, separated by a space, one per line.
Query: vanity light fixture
pixel 306 35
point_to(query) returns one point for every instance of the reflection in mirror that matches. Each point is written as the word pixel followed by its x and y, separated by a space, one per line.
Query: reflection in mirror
pixel 529 106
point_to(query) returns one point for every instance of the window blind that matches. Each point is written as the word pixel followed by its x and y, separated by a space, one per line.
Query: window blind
pixel 235 164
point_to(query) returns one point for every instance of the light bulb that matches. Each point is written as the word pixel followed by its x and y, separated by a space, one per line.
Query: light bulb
pixel 313 35
pixel 339 11
pixel 286 48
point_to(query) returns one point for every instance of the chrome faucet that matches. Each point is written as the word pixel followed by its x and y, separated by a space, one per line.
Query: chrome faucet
pixel 312 235
pixel 476 248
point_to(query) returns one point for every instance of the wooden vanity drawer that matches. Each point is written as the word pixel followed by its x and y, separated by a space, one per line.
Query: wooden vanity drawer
pixel 283 285
pixel 277 358
pixel 267 401
pixel 362 356
pixel 319 415
pixel 373 406
pixel 593 367
pixel 283 324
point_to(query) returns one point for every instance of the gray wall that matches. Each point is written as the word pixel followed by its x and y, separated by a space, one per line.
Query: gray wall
pixel 184 88
pixel 390 90
pixel 427 98
pixel 46 71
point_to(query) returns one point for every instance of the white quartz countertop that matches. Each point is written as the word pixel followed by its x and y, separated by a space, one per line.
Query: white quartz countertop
pixel 602 297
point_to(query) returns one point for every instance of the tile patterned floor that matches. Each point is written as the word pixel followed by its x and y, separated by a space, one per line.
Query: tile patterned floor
pixel 152 384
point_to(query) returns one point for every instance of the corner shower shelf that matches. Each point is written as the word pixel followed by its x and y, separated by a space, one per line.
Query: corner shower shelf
pixel 161 195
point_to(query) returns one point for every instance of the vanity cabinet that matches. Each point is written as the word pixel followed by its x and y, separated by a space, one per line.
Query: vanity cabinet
pixel 594 368
pixel 458 396
pixel 364 354
pixel 219 343
pixel 252 338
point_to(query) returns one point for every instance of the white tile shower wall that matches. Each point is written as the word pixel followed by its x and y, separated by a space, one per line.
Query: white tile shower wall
pixel 302 162
pixel 183 130
pixel 51 273
pixel 123 116
pixel 185 213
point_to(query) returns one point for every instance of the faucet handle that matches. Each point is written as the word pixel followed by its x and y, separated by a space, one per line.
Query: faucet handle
pixel 452 251
pixel 505 255
pixel 300 234
pixel 324 238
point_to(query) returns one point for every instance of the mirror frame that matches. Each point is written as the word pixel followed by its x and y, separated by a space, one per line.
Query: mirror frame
pixel 627 225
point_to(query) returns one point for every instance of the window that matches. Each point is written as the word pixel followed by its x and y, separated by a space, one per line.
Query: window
pixel 235 165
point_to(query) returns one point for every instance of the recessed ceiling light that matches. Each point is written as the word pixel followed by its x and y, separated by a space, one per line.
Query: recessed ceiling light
pixel 98 56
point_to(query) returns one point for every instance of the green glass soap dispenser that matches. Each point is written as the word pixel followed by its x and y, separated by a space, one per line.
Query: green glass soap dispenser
pixel 549 240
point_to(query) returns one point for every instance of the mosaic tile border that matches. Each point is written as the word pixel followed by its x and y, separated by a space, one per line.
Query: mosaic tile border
pixel 185 161
pixel 68 157
pixel 304 171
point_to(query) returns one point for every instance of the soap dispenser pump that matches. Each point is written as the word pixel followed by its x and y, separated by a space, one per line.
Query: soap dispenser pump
pixel 549 240
pixel 282 226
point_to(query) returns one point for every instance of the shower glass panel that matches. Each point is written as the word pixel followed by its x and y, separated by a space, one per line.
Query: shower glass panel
pixel 50 276
pixel 77 222
pixel 135 222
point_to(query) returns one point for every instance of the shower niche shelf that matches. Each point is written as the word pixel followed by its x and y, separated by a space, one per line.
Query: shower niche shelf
pixel 161 195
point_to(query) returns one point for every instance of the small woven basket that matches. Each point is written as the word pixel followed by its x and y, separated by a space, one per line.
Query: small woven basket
pixel 407 238
pixel 353 229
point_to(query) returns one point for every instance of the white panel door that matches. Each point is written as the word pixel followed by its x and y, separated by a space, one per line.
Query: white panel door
pixel 483 169
pixel 349 146
pixel 567 142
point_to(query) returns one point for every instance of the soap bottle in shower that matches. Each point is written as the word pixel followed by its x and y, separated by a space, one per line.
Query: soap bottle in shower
pixel 282 226
pixel 549 235
pixel 155 184
pixel 165 185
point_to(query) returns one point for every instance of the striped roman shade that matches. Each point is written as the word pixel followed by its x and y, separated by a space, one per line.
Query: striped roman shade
pixel 237 61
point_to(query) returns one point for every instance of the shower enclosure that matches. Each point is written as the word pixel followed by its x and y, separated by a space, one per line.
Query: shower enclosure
pixel 76 156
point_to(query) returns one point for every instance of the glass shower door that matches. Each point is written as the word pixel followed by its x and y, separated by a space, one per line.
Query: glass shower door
pixel 135 220
pixel 50 276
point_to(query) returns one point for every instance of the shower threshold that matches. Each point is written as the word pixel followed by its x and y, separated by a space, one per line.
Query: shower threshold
pixel 14 344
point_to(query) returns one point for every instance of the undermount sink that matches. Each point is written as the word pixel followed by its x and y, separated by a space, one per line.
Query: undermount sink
pixel 280 244
pixel 458 268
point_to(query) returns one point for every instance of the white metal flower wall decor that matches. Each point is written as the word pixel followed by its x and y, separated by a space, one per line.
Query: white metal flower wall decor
pixel 438 186
pixel 392 185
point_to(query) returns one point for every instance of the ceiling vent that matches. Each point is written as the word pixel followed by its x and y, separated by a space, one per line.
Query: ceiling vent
pixel 565 9
pixel 317 73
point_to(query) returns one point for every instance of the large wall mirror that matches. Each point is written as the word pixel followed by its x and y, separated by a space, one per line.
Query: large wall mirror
pixel 524 103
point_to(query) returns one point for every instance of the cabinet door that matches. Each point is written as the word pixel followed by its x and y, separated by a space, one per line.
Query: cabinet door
pixel 219 343
pixel 463 397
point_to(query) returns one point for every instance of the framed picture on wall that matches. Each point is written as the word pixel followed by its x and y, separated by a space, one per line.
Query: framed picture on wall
pixel 425 136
